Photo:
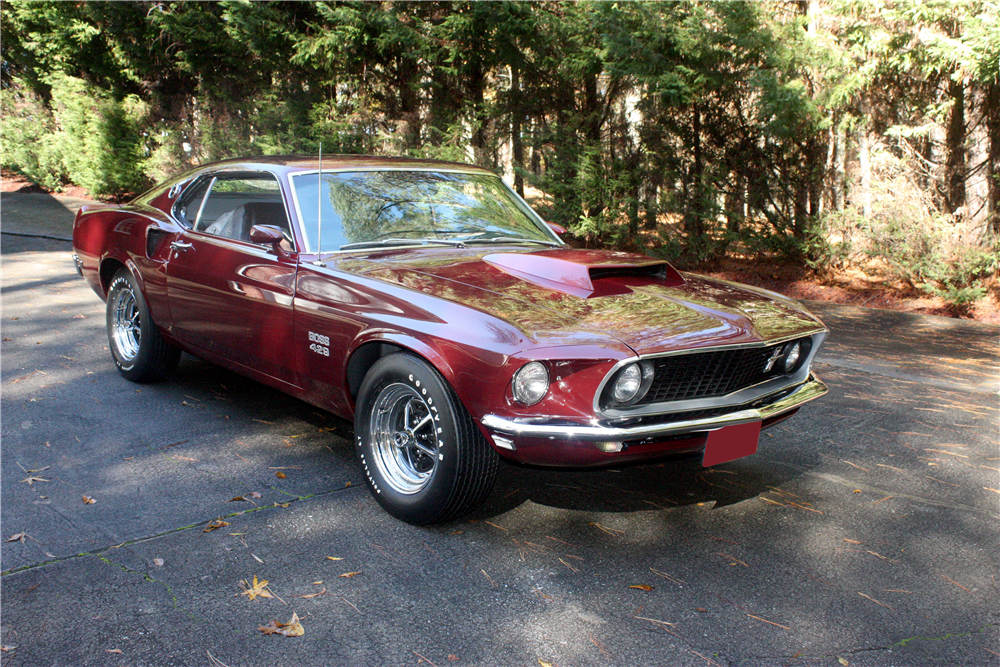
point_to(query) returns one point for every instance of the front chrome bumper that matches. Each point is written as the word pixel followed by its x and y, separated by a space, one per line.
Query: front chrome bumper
pixel 812 389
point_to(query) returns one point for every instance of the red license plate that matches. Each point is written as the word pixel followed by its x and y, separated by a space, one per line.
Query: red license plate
pixel 731 443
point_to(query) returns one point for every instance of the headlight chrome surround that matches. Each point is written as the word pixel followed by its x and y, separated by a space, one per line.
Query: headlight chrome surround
pixel 629 385
pixel 793 355
pixel 530 383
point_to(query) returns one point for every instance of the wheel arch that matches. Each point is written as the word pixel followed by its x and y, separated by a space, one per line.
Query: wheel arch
pixel 109 267
pixel 369 351
pixel 112 264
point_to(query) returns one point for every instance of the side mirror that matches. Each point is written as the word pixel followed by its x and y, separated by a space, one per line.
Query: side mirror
pixel 558 229
pixel 268 235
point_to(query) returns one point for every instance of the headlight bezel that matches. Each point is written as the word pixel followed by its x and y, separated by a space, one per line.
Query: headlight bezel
pixel 792 356
pixel 645 380
pixel 520 381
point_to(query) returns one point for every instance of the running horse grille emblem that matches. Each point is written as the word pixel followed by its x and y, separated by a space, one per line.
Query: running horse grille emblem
pixel 772 360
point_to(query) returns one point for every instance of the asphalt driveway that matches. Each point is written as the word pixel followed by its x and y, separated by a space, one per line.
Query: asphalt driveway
pixel 864 532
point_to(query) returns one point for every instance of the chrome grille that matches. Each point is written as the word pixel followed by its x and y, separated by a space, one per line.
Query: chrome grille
pixel 709 374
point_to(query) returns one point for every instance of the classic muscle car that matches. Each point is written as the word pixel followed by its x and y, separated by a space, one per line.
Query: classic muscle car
pixel 429 303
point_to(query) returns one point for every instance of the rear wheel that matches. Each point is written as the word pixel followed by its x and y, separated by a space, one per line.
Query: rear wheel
pixel 424 458
pixel 138 350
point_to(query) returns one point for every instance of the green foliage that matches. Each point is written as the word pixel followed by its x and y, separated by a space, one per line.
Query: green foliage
pixel 921 253
pixel 85 138
pixel 957 277
pixel 30 143
pixel 697 128
pixel 103 147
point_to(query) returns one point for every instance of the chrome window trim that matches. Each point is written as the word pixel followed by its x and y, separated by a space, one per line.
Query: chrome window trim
pixel 745 395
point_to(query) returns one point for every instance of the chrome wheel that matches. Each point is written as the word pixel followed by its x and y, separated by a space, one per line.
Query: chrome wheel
pixel 126 329
pixel 405 443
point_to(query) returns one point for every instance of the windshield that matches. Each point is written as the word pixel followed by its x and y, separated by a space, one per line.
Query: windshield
pixel 375 208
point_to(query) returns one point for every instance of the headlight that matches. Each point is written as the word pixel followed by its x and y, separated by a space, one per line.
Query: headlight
pixel 792 355
pixel 531 383
pixel 627 383
pixel 631 384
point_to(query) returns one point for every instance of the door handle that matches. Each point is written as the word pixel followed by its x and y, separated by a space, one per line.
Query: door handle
pixel 180 245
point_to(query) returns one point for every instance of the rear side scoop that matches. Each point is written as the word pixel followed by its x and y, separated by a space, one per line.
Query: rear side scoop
pixel 586 274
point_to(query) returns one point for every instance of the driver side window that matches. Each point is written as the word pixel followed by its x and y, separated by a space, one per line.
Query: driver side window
pixel 229 205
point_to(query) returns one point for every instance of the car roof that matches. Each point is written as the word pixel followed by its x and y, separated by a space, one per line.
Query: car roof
pixel 294 163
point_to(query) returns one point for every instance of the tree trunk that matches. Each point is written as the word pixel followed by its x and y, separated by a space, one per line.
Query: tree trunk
pixel 837 191
pixel 801 204
pixel 653 200
pixel 955 144
pixel 991 111
pixel 815 175
pixel 516 140
pixel 736 204
pixel 864 164
pixel 477 85
pixel 694 219
pixel 409 103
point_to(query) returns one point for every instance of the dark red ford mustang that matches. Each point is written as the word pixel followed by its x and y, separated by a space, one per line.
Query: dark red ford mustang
pixel 429 303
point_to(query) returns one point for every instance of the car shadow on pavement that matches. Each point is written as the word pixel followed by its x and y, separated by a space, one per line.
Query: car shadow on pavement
pixel 648 487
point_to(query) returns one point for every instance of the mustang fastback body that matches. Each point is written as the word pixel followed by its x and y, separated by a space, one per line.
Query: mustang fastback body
pixel 431 305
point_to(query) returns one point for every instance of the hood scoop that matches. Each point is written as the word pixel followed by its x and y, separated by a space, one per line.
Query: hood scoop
pixel 586 274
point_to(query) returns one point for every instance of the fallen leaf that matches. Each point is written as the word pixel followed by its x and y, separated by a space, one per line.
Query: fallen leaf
pixel 87 500
pixel 256 558
pixel 348 575
pixel 333 558
pixel 114 650
pixel 317 583
pixel 81 316
pixel 259 588
pixel 254 494
pixel 642 587
pixel 158 562
pixel 17 537
pixel 843 661
pixel 543 663
pixel 291 629
pixel 213 524
pixel 30 479
pixel 237 499
pixel 311 595
pixel 452 657
pixel 280 475
pixel 6 648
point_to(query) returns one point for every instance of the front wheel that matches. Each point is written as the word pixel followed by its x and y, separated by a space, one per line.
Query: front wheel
pixel 138 350
pixel 424 459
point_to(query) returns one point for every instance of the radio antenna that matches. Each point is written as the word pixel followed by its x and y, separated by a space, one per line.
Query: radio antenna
pixel 319 210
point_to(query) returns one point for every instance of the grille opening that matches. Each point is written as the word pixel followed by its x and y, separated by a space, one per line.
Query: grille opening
pixel 713 374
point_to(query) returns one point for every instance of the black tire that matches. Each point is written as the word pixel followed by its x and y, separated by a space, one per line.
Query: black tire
pixel 423 457
pixel 138 350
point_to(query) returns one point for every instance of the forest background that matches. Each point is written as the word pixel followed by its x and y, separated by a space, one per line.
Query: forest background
pixel 825 136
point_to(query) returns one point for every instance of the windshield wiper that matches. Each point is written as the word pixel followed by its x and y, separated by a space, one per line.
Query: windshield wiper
pixel 385 243
pixel 512 239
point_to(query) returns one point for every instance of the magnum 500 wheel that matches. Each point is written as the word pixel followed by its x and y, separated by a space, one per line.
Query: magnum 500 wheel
pixel 139 352
pixel 424 459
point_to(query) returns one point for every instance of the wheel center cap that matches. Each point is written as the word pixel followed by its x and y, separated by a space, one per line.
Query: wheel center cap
pixel 401 438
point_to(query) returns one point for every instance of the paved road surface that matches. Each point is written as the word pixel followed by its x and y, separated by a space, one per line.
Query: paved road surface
pixel 864 532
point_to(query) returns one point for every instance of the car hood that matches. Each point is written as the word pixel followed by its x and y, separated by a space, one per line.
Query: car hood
pixel 643 302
